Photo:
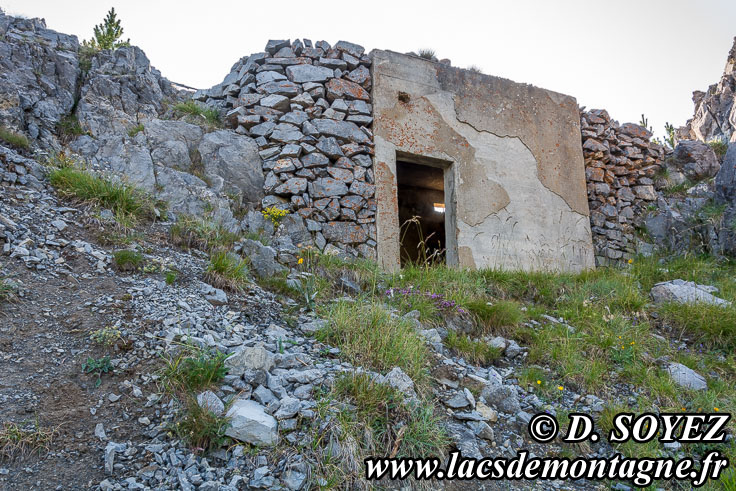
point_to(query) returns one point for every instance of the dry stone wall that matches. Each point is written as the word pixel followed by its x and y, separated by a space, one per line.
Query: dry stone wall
pixel 620 166
pixel 308 107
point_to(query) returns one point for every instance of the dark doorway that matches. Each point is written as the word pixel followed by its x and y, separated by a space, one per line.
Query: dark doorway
pixel 421 198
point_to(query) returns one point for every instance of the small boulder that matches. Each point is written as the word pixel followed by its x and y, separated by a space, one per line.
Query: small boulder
pixel 686 377
pixel 250 423
pixel 682 291
pixel 209 400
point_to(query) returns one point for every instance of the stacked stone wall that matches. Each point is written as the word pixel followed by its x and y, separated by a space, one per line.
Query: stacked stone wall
pixel 621 163
pixel 308 107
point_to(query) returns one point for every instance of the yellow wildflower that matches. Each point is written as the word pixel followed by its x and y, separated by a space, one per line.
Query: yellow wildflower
pixel 300 261
pixel 560 387
pixel 539 382
pixel 630 261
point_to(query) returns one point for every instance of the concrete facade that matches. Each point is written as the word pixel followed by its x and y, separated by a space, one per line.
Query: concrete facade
pixel 515 189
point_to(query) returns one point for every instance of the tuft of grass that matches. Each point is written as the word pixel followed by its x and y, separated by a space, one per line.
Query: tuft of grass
pixel 390 426
pixel 369 336
pixel 19 441
pixel 501 314
pixel 8 291
pixel 127 260
pixel 719 146
pixel 14 139
pixel 127 203
pixel 201 428
pixel 227 270
pixel 193 369
pixel 427 53
pixel 200 233
pixel 135 130
pixel 69 127
pixel 191 108
pixel 713 324
pixel 478 352
pixel 475 69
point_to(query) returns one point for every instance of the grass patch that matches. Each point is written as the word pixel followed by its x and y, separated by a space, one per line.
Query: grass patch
pixel 501 314
pixel 8 291
pixel 135 130
pixel 714 324
pixel 193 369
pixel 394 428
pixel 20 441
pixel 14 139
pixel 127 203
pixel 201 428
pixel 190 108
pixel 369 336
pixel 127 260
pixel 719 146
pixel 427 53
pixel 226 270
pixel 478 352
pixel 200 233
pixel 69 128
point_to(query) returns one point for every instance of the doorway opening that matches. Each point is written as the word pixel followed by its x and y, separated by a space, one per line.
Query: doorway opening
pixel 422 212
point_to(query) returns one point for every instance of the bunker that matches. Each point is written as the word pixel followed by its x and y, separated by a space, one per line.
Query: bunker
pixel 502 159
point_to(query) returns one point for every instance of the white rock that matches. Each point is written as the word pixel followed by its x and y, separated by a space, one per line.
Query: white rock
pixel 209 400
pixel 682 291
pixel 686 377
pixel 250 358
pixel 250 423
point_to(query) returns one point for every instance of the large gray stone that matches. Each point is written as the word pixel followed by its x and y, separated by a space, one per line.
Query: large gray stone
pixel 344 232
pixel 686 377
pixel 308 73
pixel 233 162
pixel 250 423
pixel 344 130
pixel 249 358
pixel 682 291
pixel 326 187
pixel 262 258
pixel 696 159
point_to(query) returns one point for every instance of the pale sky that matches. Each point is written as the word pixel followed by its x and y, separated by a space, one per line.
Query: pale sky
pixel 627 56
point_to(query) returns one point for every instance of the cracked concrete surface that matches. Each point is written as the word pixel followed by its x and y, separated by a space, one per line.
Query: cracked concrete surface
pixel 514 178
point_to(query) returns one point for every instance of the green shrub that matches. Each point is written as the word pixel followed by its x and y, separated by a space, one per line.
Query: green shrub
pixel 127 203
pixel 127 260
pixel 714 324
pixel 719 146
pixel 194 369
pixel 369 336
pixel 227 271
pixel 427 53
pixel 135 130
pixel 69 127
pixel 478 352
pixel 97 366
pixel 200 233
pixel 201 428
pixel 107 34
pixel 392 426
pixel 14 139
pixel 170 277
pixel 501 314
pixel 7 291
pixel 18 441
pixel 191 108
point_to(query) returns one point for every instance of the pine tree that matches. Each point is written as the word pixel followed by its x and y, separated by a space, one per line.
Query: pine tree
pixel 107 34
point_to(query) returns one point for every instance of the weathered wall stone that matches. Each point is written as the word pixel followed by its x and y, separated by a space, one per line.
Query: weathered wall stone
pixel 514 184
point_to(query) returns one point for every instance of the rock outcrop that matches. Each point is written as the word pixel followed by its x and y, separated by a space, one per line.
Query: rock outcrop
pixel 715 109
